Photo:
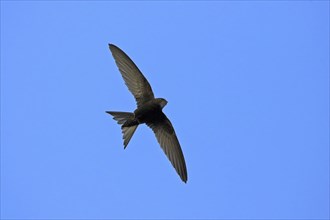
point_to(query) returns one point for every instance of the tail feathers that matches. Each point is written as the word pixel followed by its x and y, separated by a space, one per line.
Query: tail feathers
pixel 128 134
pixel 126 119
pixel 121 117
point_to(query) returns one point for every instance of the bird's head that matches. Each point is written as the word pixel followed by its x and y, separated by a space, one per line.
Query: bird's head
pixel 162 102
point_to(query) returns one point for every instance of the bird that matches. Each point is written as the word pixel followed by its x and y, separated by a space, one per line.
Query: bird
pixel 149 111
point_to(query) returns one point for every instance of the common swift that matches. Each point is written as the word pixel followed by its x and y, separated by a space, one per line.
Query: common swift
pixel 149 112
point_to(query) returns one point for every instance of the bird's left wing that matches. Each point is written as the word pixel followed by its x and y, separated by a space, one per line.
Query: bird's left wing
pixel 169 142
pixel 134 79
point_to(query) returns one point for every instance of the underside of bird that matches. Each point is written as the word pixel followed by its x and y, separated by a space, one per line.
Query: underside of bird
pixel 149 112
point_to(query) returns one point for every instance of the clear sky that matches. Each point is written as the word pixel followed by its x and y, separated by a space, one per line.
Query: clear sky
pixel 247 84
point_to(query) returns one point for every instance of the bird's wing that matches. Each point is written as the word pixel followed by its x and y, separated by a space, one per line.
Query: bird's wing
pixel 134 79
pixel 169 142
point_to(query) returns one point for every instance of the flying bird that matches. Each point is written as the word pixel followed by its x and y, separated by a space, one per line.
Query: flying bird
pixel 148 111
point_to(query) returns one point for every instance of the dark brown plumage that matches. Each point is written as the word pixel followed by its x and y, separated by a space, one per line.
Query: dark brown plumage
pixel 149 111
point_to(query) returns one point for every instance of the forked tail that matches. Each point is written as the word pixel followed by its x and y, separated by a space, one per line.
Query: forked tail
pixel 129 125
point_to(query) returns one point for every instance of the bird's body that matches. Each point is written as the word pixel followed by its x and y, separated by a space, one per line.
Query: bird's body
pixel 149 112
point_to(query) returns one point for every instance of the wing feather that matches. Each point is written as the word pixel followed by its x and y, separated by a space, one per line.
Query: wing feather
pixel 169 142
pixel 133 77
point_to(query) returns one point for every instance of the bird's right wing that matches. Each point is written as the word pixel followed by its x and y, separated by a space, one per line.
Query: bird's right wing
pixel 134 79
pixel 169 142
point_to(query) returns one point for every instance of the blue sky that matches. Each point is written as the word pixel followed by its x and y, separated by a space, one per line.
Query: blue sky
pixel 247 85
